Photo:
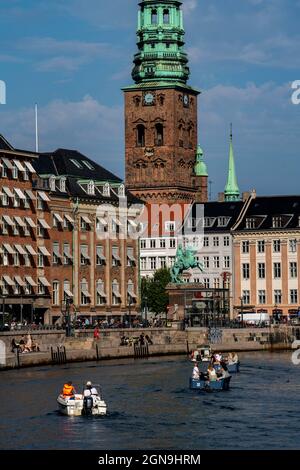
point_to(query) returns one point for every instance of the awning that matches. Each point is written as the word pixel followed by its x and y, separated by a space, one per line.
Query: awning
pixel 30 250
pixel 30 194
pixel 86 219
pixel 20 281
pixel 19 221
pixel 8 220
pixel 20 250
pixel 134 224
pixel 9 281
pixel 56 251
pixel 9 249
pixel 8 191
pixel 84 252
pixel 67 252
pixel 44 281
pixel 19 165
pixel 30 222
pixel 132 294
pixel 102 221
pixel 101 292
pixel 30 281
pixel 69 293
pixel 59 218
pixel 69 218
pixel 131 258
pixel 116 257
pixel 116 221
pixel 20 193
pixel 30 167
pixel 43 196
pixel 7 163
pixel 44 251
pixel 86 293
pixel 117 293
pixel 44 224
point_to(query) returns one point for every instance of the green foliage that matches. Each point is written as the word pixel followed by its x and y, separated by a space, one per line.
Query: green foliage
pixel 154 291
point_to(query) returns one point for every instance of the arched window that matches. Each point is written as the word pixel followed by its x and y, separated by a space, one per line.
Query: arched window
pixel 106 190
pixel 62 185
pixel 101 296
pixel 84 293
pixel 67 290
pixel 140 135
pixel 52 183
pixel 159 134
pixel 166 17
pixel 116 296
pixel 154 17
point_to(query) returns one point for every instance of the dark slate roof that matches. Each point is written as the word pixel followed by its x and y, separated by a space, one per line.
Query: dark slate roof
pixel 59 163
pixel 264 208
pixel 217 209
pixel 4 144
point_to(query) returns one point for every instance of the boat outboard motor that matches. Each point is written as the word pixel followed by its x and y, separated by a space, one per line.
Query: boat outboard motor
pixel 87 405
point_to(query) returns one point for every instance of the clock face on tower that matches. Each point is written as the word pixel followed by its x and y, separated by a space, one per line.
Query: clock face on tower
pixel 149 98
pixel 186 100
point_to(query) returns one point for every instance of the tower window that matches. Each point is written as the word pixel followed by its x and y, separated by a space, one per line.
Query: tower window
pixel 166 17
pixel 159 134
pixel 154 17
pixel 140 136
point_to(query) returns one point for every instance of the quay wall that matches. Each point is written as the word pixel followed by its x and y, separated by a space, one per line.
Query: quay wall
pixel 166 341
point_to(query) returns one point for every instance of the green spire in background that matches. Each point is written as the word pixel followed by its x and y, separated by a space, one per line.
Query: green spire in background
pixel 232 191
pixel 200 165
pixel 161 57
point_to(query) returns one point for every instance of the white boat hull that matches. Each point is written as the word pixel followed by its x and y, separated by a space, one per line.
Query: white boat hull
pixel 74 407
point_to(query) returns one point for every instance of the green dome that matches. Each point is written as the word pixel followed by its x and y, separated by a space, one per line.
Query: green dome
pixel 200 165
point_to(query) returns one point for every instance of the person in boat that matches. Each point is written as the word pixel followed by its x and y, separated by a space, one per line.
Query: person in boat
pixel 68 390
pixel 223 372
pixel 90 390
pixel 211 373
pixel 196 372
pixel 234 358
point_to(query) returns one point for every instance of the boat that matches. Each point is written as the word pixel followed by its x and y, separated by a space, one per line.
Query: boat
pixel 80 405
pixel 222 384
pixel 202 353
pixel 233 368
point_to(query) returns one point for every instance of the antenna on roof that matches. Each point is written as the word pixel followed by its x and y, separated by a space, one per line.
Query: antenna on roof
pixel 36 129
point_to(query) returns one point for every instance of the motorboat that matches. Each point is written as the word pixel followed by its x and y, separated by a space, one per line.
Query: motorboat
pixel 222 384
pixel 78 405
pixel 202 353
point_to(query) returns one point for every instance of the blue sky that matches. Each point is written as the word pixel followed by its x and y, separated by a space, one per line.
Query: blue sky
pixel 73 56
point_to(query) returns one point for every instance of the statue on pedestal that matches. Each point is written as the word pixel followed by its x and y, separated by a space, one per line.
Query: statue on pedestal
pixel 185 259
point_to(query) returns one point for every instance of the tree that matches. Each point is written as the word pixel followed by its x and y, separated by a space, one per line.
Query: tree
pixel 154 293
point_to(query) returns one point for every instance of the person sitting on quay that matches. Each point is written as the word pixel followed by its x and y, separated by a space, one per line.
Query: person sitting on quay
pixel 68 390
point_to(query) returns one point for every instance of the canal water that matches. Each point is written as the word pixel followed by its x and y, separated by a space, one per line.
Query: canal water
pixel 151 407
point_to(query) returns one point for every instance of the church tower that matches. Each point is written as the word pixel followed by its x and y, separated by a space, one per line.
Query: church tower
pixel 161 110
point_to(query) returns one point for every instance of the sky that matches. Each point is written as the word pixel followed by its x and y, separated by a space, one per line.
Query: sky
pixel 72 57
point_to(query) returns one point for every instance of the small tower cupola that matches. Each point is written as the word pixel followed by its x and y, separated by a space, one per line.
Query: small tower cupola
pixel 200 165
pixel 232 191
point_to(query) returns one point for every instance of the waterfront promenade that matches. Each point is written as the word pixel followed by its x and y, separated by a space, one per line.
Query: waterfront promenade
pixel 162 341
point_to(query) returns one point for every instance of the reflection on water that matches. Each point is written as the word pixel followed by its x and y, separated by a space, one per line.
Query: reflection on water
pixel 151 407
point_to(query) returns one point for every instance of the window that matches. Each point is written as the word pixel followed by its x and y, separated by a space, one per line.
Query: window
pixel 91 188
pixel 55 293
pixel 162 243
pixel 116 261
pixel 276 246
pixel 245 246
pixel 100 258
pixel 143 264
pixel 16 259
pixel 152 243
pixel 66 254
pixel 14 172
pixel 216 283
pixel 277 222
pixel 88 164
pixel 40 288
pixel 206 262
pixel 62 185
pixel 209 221
pixel 140 137
pixel 226 241
pixel 143 244
pixel 40 260
pixel 67 290
pixel 216 241
pixel 152 263
pixel 206 241
pixel 101 297
pixel 293 269
pixel 163 262
pixel 84 255
pixel 16 201
pixel 84 293
pixel 130 258
pixel 159 134
pixel 292 246
pixel 277 296
pixel 40 204
pixel 5 201
pixel 261 297
pixel 261 270
pixel 293 296
pixel 261 246
pixel 223 221
pixel 226 262
pixel 172 243
pixel 171 260
pixel 52 183
pixel 4 171
pixel 216 261
pixel 246 270
pixel 26 174
pixel 246 297
pixel 170 226
pixel 116 297
pixel 277 270
pixel 206 282
pixel 166 17
pixel 77 164
pixel 250 223
pixel 56 257
pixel 154 17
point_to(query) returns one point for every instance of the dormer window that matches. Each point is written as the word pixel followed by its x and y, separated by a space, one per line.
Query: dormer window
pixel 52 183
pixel 62 185
pixel 250 223
pixel 277 222
pixel 106 190
pixel 223 221
pixel 91 188
pixel 121 190
pixel 209 222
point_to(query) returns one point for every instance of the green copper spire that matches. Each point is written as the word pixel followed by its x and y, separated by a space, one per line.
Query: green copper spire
pixel 200 166
pixel 160 32
pixel 232 192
